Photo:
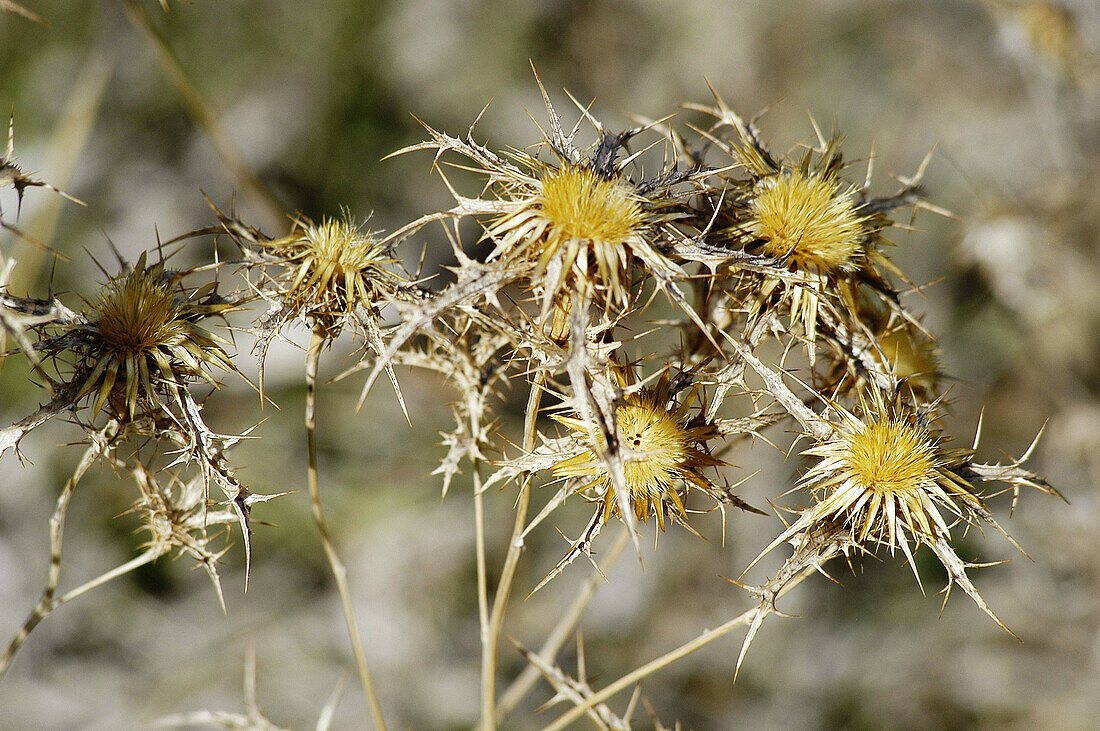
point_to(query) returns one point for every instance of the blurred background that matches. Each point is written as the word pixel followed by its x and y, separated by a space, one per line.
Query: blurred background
pixel 311 97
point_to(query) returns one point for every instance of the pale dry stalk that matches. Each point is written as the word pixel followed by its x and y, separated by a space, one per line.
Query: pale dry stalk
pixel 491 642
pixel 668 658
pixel 317 340
pixel 100 443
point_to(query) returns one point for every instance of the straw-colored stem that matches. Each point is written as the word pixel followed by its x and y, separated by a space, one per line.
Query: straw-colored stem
pixel 339 571
pixel 487 669
pixel 561 632
pixel 668 658
pixel 135 563
pixel 46 603
pixel 491 641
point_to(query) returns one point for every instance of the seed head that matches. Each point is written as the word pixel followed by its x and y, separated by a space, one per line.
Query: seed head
pixel 333 269
pixel 142 334
pixel 581 206
pixel 136 314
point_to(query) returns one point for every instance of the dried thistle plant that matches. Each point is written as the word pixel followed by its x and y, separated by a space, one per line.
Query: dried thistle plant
pixel 137 349
pixel 819 236
pixel 329 276
pixel 772 269
pixel 759 247
pixel 129 363
pixel 331 273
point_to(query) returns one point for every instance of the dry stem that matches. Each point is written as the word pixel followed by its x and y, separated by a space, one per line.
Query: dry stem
pixel 561 632
pixel 491 641
pixel 339 571
pixel 100 442
pixel 669 657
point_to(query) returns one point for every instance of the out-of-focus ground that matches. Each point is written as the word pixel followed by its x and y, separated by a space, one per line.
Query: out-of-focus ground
pixel 314 95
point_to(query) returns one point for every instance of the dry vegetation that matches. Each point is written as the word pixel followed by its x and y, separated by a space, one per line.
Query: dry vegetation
pixel 670 343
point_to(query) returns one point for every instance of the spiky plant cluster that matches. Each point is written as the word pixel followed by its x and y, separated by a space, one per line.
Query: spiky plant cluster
pixel 661 295
pixel 887 479
pixel 747 248
pixel 141 342
pixel 568 223
pixel 123 370
pixel 328 276
pixel 821 236
pixel 576 227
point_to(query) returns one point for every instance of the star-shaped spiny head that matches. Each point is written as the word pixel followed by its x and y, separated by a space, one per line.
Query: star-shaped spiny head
pixel 663 450
pixel 141 339
pixel 331 270
pixel 819 235
pixel 575 227
pixel 809 219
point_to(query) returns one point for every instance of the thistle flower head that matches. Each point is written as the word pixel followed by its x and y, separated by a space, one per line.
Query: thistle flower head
pixel 333 268
pixel 580 204
pixel 894 352
pixel 888 477
pixel 912 357
pixel 574 225
pixel 562 219
pixel 141 336
pixel 820 236
pixel 809 219
pixel 662 450
pixel 813 225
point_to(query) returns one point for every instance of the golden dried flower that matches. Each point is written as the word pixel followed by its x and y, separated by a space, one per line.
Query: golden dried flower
pixel 574 218
pixel 570 224
pixel 333 268
pixel 661 452
pixel 911 355
pixel 808 218
pixel 813 224
pixel 142 334
pixel 888 478
pixel 819 235
pixel 885 479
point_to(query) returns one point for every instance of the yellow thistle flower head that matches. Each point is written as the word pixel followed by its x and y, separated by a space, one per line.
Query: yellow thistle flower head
pixel 661 452
pixel 335 268
pixel 136 313
pixel 142 334
pixel 888 478
pixel 581 205
pixel 899 353
pixel 577 225
pixel 911 356
pixel 808 217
